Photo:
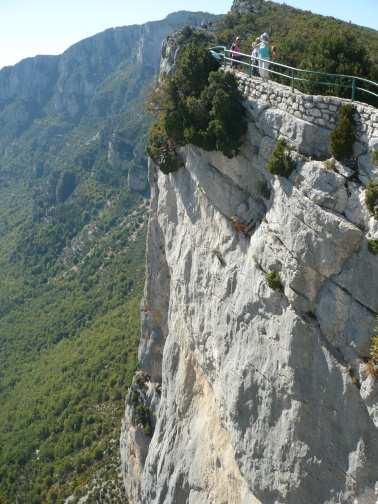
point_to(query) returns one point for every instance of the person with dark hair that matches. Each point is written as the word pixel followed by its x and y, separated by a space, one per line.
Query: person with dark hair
pixel 235 52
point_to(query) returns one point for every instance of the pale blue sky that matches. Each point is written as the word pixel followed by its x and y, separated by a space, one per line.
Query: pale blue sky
pixel 30 27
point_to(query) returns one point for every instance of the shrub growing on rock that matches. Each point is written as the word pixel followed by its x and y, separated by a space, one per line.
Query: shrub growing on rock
pixel 194 66
pixel 373 246
pixel 216 119
pixel 197 105
pixel 344 134
pixel 374 349
pixel 374 157
pixel 371 197
pixel 281 162
pixel 372 363
pixel 162 150
pixel 274 280
pixel 142 416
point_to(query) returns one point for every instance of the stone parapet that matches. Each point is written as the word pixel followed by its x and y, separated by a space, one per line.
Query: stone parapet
pixel 319 110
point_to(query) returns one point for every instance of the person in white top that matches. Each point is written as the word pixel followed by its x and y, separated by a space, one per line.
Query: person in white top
pixel 255 57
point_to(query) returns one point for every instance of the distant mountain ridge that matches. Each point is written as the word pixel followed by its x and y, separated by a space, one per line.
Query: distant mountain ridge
pixel 65 85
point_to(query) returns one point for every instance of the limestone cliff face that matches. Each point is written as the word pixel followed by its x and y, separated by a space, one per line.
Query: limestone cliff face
pixel 248 394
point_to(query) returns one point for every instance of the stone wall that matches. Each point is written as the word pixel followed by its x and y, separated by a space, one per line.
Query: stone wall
pixel 319 110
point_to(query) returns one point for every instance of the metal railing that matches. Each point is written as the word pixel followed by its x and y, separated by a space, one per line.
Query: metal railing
pixel 298 78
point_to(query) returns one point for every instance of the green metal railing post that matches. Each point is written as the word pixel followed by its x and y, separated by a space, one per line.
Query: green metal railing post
pixel 353 89
pixel 292 81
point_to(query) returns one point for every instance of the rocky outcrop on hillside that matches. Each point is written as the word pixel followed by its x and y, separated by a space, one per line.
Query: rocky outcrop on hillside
pixel 248 6
pixel 252 394
pixel 29 80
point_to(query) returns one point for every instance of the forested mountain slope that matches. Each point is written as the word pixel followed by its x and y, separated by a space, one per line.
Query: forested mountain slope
pixel 73 191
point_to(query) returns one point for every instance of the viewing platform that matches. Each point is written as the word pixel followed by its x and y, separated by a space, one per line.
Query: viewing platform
pixel 298 93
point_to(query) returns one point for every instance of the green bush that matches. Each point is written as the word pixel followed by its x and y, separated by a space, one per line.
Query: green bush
pixel 194 66
pixel 374 157
pixel 274 280
pixel 344 134
pixel 199 106
pixel 340 52
pixel 227 123
pixel 374 349
pixel 162 150
pixel 281 162
pixel 143 417
pixel 373 246
pixel 371 197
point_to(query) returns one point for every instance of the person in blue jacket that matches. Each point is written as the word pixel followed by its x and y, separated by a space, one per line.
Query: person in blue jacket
pixel 265 55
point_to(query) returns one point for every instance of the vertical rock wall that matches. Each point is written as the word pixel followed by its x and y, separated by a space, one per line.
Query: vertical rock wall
pixel 251 394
